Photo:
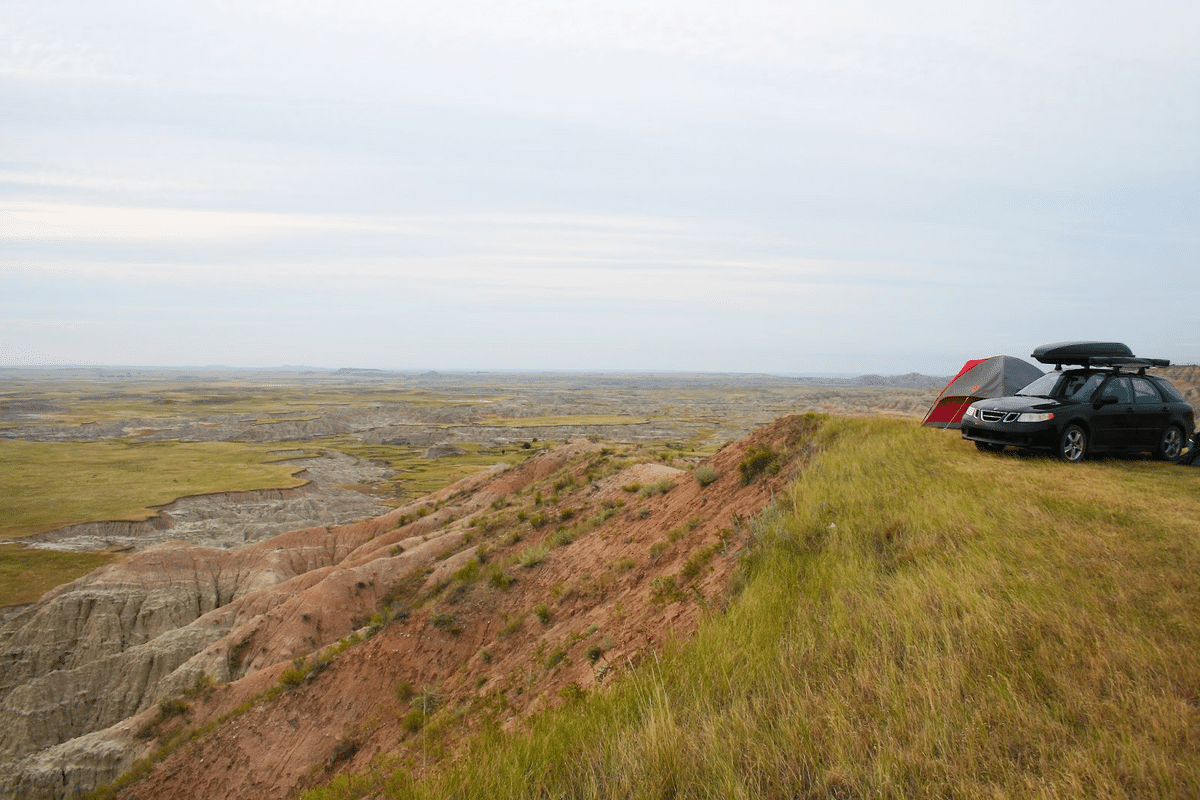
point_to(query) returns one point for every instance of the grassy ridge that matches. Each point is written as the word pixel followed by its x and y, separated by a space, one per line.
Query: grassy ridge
pixel 919 620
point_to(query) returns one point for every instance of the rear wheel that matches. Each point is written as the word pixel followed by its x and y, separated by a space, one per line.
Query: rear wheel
pixel 1170 446
pixel 1072 445
pixel 988 447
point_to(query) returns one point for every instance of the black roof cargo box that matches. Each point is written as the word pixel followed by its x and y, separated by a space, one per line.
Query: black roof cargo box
pixel 1094 354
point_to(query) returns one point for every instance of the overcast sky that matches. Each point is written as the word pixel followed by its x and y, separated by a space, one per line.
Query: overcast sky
pixel 717 185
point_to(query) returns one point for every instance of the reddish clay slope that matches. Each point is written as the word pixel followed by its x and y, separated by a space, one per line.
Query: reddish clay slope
pixel 470 624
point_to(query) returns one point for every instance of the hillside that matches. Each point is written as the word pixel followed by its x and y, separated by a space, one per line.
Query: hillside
pixel 848 608
pixel 309 648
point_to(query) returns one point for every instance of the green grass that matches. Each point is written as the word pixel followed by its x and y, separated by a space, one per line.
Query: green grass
pixel 417 476
pixel 916 620
pixel 50 484
pixel 25 575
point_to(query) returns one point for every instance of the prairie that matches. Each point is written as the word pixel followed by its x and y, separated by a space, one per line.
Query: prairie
pixel 110 444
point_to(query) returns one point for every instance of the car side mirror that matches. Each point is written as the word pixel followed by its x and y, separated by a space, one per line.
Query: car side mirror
pixel 1108 400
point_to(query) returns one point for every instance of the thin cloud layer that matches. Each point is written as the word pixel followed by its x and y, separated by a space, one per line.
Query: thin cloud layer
pixel 783 187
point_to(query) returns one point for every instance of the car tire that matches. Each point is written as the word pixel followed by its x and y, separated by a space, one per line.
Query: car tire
pixel 988 447
pixel 1170 446
pixel 1072 444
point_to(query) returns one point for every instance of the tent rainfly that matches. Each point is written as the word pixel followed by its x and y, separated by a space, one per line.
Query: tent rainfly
pixel 997 376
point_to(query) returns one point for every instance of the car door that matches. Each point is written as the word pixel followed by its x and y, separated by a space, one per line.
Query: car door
pixel 1150 414
pixel 1112 422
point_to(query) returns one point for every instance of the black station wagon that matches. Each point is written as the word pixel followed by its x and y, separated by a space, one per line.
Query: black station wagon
pixel 1107 403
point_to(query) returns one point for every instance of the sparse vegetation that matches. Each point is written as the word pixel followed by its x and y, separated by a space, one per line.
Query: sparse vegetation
pixel 913 622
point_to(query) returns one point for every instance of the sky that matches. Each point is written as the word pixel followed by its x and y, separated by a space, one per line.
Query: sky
pixel 704 185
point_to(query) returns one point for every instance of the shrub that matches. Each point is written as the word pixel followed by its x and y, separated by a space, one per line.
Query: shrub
pixel 468 572
pixel 756 462
pixel 172 707
pixel 444 621
pixel 500 579
pixel 658 487
pixel 665 590
pixel 533 556
pixel 413 720
pixel 543 613
pixel 556 657
pixel 705 474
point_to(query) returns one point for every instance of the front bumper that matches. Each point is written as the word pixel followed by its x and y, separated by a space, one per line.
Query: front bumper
pixel 1034 435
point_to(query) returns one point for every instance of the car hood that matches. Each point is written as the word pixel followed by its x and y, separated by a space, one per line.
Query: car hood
pixel 1015 403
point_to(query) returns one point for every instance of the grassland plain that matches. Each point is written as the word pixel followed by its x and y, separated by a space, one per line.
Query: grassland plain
pixel 98 416
pixel 51 484
pixel 915 620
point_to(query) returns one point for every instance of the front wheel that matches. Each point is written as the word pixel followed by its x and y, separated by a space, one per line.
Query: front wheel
pixel 1072 445
pixel 1170 445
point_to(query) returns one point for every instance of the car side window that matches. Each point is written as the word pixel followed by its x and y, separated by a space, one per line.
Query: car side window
pixel 1082 390
pixel 1120 389
pixel 1168 390
pixel 1144 391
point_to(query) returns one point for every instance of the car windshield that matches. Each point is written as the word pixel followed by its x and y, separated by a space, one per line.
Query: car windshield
pixel 1064 385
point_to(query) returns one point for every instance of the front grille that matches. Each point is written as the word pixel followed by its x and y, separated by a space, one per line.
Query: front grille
pixel 998 416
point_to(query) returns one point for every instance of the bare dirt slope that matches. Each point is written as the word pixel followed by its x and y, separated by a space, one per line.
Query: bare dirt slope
pixel 273 667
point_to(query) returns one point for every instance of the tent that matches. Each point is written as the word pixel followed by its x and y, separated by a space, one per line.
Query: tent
pixel 984 377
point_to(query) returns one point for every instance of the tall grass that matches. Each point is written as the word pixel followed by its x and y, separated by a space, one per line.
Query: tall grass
pixel 917 620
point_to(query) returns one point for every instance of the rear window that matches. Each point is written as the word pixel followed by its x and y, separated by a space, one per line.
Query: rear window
pixel 1168 389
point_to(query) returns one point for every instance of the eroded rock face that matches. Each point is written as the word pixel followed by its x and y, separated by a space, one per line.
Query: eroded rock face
pixel 84 671
pixel 77 666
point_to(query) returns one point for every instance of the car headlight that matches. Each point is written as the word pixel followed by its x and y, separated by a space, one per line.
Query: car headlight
pixel 970 412
pixel 1030 416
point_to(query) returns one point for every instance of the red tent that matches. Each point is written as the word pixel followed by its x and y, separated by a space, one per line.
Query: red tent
pixel 997 376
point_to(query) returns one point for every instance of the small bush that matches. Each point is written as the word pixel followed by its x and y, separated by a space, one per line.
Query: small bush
pixel 172 707
pixel 468 572
pixel 543 613
pixel 658 487
pixel 698 559
pixel 444 621
pixel 500 579
pixel 533 556
pixel 705 475
pixel 556 657
pixel 511 625
pixel 756 462
pixel 413 720
pixel 665 590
